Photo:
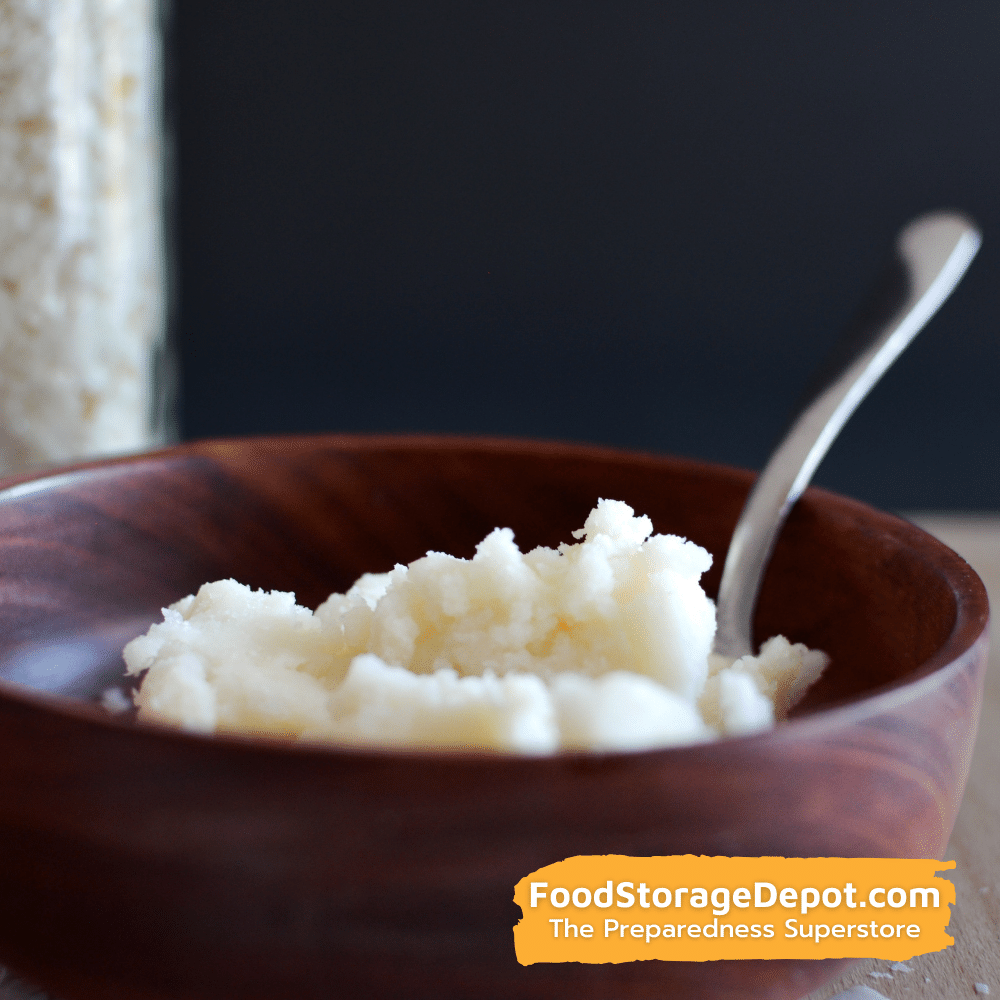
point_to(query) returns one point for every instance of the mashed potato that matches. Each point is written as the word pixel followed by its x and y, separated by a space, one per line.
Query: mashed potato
pixel 601 645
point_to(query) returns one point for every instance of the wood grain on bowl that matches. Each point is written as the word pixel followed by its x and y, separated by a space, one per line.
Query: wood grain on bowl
pixel 138 862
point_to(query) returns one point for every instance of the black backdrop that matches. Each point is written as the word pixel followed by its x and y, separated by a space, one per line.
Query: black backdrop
pixel 634 223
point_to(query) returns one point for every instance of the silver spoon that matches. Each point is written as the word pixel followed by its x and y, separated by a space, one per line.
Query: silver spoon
pixel 931 255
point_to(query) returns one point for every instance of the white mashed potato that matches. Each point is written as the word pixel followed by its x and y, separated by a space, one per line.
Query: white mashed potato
pixel 601 645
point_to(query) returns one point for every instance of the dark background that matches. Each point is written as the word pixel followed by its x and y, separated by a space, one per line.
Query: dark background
pixel 633 223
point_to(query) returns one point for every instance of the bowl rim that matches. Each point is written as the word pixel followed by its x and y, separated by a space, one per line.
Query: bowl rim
pixel 968 638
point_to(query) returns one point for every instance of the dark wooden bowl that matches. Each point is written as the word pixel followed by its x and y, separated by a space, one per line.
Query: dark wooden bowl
pixel 138 862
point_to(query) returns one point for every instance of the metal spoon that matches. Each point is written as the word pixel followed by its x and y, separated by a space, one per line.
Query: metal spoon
pixel 931 255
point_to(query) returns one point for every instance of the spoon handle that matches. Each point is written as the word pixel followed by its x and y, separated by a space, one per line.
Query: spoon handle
pixel 931 255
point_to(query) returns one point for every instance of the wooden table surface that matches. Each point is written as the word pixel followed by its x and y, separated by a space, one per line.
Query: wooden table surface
pixel 975 844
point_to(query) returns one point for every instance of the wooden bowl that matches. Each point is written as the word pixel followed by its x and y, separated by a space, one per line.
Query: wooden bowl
pixel 139 862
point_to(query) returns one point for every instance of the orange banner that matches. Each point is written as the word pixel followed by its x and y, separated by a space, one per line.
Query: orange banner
pixel 613 908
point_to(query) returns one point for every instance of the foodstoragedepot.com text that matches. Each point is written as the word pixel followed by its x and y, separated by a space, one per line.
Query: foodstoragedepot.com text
pixel 765 896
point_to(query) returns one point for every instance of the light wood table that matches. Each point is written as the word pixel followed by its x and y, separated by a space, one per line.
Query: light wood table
pixel 975 843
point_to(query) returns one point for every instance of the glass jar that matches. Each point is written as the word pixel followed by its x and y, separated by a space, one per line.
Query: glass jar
pixel 82 262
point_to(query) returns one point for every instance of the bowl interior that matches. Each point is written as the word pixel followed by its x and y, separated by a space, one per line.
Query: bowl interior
pixel 89 557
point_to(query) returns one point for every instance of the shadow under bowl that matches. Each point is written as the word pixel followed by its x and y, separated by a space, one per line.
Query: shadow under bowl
pixel 141 862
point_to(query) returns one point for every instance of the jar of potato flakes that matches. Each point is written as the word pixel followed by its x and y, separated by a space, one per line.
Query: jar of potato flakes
pixel 82 262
